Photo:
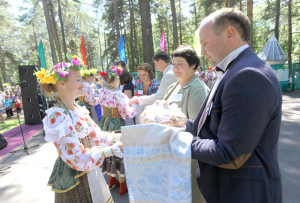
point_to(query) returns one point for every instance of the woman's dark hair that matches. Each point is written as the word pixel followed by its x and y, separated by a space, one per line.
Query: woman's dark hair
pixel 125 77
pixel 189 54
pixel 148 68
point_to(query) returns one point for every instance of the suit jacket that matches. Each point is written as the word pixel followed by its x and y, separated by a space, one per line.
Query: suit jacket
pixel 193 94
pixel 167 79
pixel 237 146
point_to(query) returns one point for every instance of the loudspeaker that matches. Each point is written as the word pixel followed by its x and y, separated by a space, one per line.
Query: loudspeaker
pixel 3 142
pixel 30 94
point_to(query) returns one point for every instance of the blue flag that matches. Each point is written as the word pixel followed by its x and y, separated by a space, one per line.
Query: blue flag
pixel 41 54
pixel 121 49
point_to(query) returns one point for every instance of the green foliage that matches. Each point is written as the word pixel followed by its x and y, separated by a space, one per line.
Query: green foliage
pixel 20 32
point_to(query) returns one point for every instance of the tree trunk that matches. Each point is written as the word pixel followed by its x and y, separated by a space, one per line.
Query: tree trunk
pixel 48 24
pixel 195 15
pixel 180 34
pixel 100 48
pixel 131 62
pixel 116 14
pixel 62 30
pixel 290 32
pixel 168 42
pixel 241 7
pixel 3 70
pixel 135 37
pixel 146 31
pixel 174 21
pixel 277 19
pixel 1 86
pixel 54 31
pixel 250 16
pixel 105 52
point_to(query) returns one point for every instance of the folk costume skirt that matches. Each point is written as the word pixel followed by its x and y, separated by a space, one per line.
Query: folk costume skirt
pixel 112 121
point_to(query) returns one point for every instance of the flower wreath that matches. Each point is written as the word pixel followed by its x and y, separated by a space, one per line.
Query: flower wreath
pixel 85 73
pixel 60 71
pixel 116 72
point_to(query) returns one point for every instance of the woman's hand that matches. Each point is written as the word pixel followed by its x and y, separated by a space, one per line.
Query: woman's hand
pixel 133 101
pixel 120 145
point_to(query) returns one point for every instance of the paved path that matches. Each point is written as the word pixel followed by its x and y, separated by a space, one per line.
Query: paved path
pixel 25 177
pixel 289 147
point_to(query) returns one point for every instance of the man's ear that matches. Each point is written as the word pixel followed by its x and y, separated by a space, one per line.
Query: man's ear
pixel 230 32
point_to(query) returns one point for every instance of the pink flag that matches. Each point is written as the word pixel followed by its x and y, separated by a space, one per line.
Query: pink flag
pixel 162 42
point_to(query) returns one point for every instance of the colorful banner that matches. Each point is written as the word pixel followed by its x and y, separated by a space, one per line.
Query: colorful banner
pixel 196 44
pixel 42 55
pixel 121 49
pixel 82 50
pixel 162 42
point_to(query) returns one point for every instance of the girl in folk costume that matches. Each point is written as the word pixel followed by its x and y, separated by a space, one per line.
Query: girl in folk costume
pixel 90 98
pixel 81 145
pixel 116 109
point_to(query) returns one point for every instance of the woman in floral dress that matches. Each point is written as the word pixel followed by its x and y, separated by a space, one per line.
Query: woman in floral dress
pixel 115 110
pixel 81 145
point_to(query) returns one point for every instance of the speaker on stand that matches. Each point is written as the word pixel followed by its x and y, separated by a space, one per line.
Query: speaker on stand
pixel 30 96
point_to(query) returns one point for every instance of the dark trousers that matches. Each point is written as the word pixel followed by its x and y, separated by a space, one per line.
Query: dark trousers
pixel 9 112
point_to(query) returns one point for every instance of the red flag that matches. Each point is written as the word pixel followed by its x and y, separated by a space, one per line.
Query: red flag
pixel 82 50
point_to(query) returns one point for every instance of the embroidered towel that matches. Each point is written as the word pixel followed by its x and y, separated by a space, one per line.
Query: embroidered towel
pixel 157 163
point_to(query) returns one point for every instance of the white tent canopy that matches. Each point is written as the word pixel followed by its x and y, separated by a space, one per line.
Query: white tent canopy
pixel 272 52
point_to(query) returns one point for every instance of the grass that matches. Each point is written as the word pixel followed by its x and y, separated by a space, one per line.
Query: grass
pixel 10 123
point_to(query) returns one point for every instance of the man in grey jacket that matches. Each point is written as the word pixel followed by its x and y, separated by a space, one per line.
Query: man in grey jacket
pixel 162 63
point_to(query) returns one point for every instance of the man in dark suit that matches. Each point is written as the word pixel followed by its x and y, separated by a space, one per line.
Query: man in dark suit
pixel 237 128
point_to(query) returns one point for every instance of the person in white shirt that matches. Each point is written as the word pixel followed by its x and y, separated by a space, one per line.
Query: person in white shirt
pixel 162 63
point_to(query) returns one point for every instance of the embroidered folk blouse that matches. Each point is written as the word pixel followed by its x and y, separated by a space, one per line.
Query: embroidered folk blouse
pixel 90 95
pixel 65 133
pixel 117 99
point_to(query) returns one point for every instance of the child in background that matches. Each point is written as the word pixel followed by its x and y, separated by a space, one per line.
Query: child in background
pixel 18 106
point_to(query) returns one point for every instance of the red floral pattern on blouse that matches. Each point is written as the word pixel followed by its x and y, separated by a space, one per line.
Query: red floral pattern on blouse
pixel 67 143
pixel 116 99
pixel 90 95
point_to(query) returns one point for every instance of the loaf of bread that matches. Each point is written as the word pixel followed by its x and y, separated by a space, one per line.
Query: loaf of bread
pixel 163 113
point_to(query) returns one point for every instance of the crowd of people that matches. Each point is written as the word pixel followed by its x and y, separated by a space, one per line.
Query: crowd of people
pixel 10 102
pixel 233 111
